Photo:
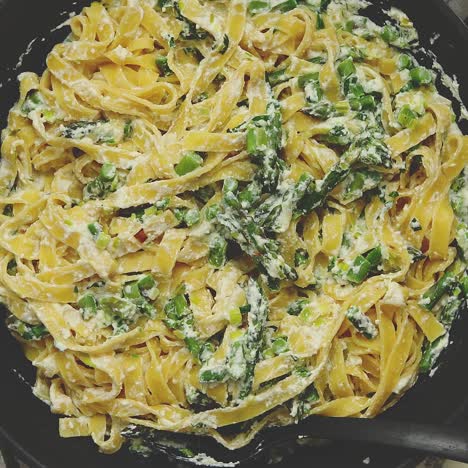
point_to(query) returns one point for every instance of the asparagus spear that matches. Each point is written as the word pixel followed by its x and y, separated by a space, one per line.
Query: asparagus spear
pixel 251 238
pixel 460 208
pixel 303 403
pixel 107 181
pixel 276 212
pixel 264 141
pixel 26 331
pixel 315 198
pixel 318 106
pixel 363 265
pixel 432 351
pixel 453 282
pixel 444 285
pixel 361 322
pixel 180 317
pixel 257 318
pixel 32 101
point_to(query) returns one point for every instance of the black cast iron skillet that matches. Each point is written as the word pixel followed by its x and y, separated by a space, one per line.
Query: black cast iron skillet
pixel 29 429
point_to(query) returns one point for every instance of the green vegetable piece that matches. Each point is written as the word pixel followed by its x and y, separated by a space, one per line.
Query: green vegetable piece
pixel 8 210
pixel 235 317
pixel 163 66
pixel 192 217
pixel 264 141
pixel 102 240
pixel 27 331
pixel 257 318
pixel 212 212
pixel 94 229
pixel 319 24
pixel 217 253
pixel 389 34
pixel 444 285
pixel 406 116
pixel 338 135
pixel 257 6
pixel 280 345
pixel 404 62
pixel 146 282
pixel 213 375
pixel 304 80
pixel 179 213
pixel 301 257
pixel 88 306
pixel 286 5
pixel 362 323
pixel 277 77
pixel 128 129
pixel 346 68
pixel 189 162
pixel 296 307
pixel 33 101
pixel 421 76
pixel 132 290
pixel 12 268
pixel 230 185
pixel 363 265
pixel 257 139
pixel 108 172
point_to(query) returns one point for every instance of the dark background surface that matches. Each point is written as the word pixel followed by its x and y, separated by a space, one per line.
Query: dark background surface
pixel 30 427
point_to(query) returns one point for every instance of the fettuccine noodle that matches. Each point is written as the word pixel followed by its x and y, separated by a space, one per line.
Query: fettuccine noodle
pixel 222 213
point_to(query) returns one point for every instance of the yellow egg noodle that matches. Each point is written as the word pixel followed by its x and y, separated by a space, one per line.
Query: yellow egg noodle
pixel 229 212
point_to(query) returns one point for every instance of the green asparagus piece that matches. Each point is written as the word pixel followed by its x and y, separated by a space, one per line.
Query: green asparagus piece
pixel 180 317
pixel 257 318
pixel 315 198
pixel 359 182
pixel 26 331
pixel 361 322
pixel 250 237
pixel 88 306
pixel 277 77
pixel 217 254
pixel 276 212
pixel 301 257
pixel 264 142
pixel 444 285
pixel 304 402
pixel 432 351
pixel 33 101
pixel 296 307
pixel 364 265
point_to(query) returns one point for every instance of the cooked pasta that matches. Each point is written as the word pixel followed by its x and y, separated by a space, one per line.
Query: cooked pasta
pixel 230 213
